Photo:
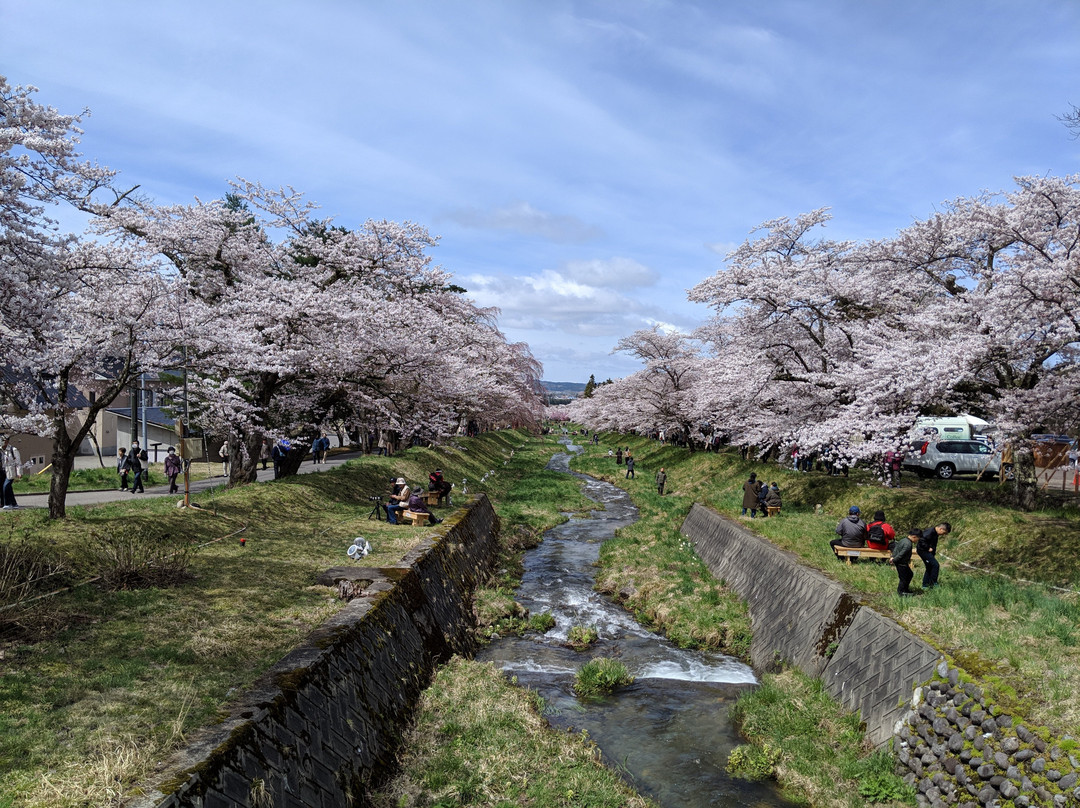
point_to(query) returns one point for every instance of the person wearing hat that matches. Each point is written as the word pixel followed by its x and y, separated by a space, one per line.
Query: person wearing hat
pixel 172 469
pixel 661 479
pixel 399 500
pixel 851 532
pixel 901 559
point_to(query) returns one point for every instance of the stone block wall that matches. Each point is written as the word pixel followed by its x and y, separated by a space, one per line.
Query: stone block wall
pixel 326 719
pixel 801 617
pixel 953 746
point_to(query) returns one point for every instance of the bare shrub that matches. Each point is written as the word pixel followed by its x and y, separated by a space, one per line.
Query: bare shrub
pixel 24 568
pixel 137 557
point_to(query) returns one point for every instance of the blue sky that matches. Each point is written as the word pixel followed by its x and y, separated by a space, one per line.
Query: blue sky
pixel 584 163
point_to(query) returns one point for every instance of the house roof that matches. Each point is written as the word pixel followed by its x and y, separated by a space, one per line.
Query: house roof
pixel 154 415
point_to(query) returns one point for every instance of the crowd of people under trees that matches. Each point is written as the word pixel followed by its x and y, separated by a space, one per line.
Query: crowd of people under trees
pixel 280 321
pixel 838 346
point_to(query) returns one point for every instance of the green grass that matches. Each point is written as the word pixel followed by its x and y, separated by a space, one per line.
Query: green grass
pixel 478 740
pixel 1018 638
pixel 814 748
pixel 97 479
pixel 97 686
pixel 601 676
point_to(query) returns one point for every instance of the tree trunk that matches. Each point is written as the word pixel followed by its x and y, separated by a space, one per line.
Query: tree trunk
pixel 291 463
pixel 1025 478
pixel 244 451
pixel 63 460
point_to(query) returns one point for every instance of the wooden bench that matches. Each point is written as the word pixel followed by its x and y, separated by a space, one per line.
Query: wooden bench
pixel 772 510
pixel 431 498
pixel 415 518
pixel 853 554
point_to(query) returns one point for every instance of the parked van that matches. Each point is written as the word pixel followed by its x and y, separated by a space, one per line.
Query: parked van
pixel 960 427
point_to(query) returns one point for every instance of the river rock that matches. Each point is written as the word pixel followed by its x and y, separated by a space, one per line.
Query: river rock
pixel 1068 781
pixel 1038 765
pixel 1008 790
pixel 1010 745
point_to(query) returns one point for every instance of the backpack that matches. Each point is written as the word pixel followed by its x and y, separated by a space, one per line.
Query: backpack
pixel 876 535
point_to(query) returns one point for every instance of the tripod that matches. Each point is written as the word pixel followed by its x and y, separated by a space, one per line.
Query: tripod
pixel 376 512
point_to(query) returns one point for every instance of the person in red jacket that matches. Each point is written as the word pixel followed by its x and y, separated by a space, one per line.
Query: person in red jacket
pixel 880 534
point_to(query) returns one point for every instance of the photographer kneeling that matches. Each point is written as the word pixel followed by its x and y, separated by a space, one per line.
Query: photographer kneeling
pixel 399 500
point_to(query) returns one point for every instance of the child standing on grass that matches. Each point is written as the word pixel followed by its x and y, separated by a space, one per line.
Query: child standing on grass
pixel 901 559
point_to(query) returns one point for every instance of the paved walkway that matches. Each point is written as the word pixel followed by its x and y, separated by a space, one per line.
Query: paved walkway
pixel 98 497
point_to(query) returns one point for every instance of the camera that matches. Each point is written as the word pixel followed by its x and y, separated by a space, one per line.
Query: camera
pixel 374 499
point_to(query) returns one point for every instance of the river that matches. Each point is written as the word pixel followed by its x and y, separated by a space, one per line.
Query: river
pixel 668 733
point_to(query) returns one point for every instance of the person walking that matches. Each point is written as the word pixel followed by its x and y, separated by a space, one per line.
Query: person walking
pixel 223 453
pixel 172 469
pixel 618 455
pixel 264 453
pixel 927 550
pixel 123 467
pixel 12 471
pixel 901 559
pixel 629 465
pixel 894 462
pixel 136 466
pixel 661 479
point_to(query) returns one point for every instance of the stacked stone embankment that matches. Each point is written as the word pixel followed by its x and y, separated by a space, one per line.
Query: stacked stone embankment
pixel 953 746
pixel 957 749
pixel 325 721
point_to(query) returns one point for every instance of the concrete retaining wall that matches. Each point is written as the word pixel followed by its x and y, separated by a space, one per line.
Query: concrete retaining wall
pixel 801 617
pixel 317 727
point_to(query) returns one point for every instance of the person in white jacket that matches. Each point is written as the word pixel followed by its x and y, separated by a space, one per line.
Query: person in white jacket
pixel 13 470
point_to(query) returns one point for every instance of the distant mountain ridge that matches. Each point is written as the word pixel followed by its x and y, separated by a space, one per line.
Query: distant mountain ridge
pixel 567 389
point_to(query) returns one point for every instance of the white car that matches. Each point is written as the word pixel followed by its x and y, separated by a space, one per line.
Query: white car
pixel 947 458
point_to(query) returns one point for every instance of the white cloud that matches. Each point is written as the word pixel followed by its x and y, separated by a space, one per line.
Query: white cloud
pixel 613 273
pixel 523 218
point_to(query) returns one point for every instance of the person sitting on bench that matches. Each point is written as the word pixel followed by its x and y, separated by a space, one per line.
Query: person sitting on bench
pixel 399 500
pixel 851 531
pixel 437 483
pixel 772 498
pixel 416 505
pixel 879 533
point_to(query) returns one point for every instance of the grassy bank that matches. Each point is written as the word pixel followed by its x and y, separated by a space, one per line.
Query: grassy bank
pixel 479 740
pixel 1018 639
pixel 106 479
pixel 97 685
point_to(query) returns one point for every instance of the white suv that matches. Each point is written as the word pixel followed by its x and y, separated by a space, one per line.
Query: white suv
pixel 947 458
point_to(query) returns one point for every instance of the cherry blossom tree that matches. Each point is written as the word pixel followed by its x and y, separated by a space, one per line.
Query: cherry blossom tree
pixel 293 322
pixel 842 345
pixel 659 397
pixel 76 314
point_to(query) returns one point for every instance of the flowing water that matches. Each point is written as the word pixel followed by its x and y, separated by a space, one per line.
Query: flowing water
pixel 668 733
